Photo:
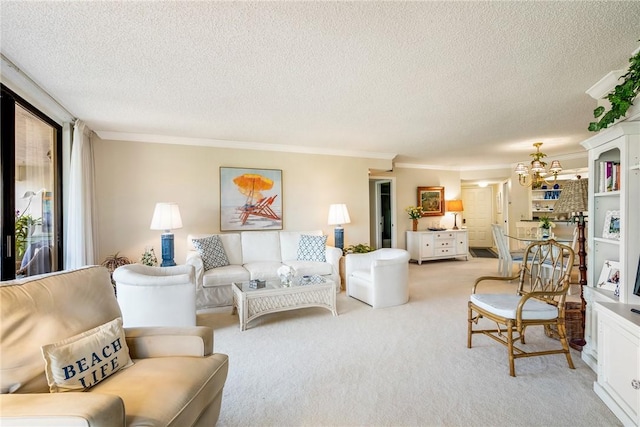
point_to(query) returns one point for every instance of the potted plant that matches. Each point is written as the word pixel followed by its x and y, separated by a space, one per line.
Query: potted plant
pixel 415 213
pixel 25 226
pixel 149 258
pixel 546 225
pixel 357 249
pixel 112 262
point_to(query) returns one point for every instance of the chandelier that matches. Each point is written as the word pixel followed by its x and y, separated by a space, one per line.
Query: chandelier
pixel 534 175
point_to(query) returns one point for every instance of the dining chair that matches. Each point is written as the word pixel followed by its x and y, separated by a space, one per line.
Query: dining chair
pixel 505 256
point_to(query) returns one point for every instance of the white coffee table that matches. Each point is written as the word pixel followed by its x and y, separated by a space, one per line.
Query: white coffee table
pixel 274 297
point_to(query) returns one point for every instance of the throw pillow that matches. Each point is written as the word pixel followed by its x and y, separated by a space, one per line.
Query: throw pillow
pixel 212 252
pixel 312 248
pixel 82 361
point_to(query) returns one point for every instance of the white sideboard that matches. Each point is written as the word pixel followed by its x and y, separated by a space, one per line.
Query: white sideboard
pixel 428 245
pixel 618 383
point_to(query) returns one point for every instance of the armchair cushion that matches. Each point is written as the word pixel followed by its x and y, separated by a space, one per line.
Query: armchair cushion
pixel 83 360
pixel 212 252
pixel 506 305
pixel 312 248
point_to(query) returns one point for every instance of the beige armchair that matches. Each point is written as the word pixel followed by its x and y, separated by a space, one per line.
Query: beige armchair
pixel 175 378
pixel 156 296
pixel 379 278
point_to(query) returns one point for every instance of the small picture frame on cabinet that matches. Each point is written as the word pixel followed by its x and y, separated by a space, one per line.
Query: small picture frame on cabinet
pixel 611 228
pixel 610 276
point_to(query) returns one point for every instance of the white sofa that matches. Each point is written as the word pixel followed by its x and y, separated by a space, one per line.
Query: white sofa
pixel 255 255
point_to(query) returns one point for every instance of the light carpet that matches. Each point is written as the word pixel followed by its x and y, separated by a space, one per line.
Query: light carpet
pixel 399 366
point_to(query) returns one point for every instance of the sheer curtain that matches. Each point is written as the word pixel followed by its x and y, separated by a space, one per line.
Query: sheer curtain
pixel 80 246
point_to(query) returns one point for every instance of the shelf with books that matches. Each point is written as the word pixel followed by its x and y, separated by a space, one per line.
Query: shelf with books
pixel 614 157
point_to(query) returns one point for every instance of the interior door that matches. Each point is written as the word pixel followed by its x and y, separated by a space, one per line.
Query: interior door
pixel 478 215
pixel 382 212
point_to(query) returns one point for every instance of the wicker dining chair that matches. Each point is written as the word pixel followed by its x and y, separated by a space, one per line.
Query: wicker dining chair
pixel 538 301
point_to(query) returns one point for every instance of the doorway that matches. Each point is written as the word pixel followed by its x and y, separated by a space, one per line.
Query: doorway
pixel 382 212
pixel 31 169
pixel 478 215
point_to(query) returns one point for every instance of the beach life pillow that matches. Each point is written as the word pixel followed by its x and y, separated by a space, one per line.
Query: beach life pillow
pixel 81 361
pixel 211 251
pixel 312 248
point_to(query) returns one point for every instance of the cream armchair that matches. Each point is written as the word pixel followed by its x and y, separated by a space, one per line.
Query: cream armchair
pixel 379 278
pixel 156 296
pixel 175 378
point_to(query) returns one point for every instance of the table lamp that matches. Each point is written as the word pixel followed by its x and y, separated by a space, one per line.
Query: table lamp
pixel 339 215
pixel 166 216
pixel 574 201
pixel 455 206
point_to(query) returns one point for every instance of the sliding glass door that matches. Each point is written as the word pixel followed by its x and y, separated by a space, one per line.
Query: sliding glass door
pixel 31 190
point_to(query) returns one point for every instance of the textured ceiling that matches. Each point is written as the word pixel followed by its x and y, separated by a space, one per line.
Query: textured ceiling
pixel 455 84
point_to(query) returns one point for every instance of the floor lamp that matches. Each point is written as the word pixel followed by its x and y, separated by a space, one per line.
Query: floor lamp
pixel 574 200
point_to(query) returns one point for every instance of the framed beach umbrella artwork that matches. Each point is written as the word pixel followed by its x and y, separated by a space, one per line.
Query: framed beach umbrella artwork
pixel 250 199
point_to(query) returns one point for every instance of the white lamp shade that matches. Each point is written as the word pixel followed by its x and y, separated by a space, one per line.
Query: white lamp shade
pixel 166 216
pixel 338 214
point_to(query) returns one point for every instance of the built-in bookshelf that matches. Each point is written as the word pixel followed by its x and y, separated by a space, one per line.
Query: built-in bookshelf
pixel 613 256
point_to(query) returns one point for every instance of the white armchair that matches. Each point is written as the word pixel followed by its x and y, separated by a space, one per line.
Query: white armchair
pixel 156 296
pixel 379 278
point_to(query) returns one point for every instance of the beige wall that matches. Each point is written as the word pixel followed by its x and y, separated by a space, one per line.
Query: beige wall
pixel 407 182
pixel 132 176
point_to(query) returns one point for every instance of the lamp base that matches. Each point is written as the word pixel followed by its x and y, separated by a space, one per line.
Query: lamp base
pixel 339 237
pixel 455 221
pixel 167 250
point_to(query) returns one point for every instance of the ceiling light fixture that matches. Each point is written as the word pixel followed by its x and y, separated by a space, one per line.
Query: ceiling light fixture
pixel 533 176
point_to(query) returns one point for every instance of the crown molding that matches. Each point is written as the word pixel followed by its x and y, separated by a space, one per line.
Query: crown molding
pixel 237 145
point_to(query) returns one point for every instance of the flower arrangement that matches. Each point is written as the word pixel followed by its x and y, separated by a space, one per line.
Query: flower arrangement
pixel 545 222
pixel 286 274
pixel 149 258
pixel 415 212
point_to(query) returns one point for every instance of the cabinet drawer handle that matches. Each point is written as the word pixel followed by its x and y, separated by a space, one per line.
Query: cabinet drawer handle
pixel 635 384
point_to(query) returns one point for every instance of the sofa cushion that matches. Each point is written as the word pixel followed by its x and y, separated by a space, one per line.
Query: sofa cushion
pixel 167 391
pixel 312 248
pixel 290 240
pixel 258 246
pixel 211 251
pixel 230 242
pixel 81 361
pixel 266 270
pixel 225 276
pixel 310 268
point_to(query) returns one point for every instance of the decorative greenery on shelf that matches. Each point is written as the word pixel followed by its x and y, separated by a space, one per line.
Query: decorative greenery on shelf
pixel 357 249
pixel 621 98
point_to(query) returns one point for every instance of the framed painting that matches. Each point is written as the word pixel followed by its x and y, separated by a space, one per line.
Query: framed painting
pixel 432 200
pixel 250 199
pixel 610 276
pixel 612 225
